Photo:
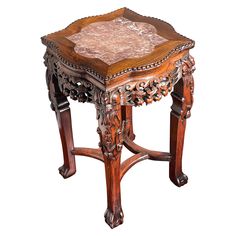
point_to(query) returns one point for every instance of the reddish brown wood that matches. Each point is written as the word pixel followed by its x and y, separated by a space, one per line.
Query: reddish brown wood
pixel 127 116
pixel 64 122
pixel 109 129
pixel 153 155
pixel 64 48
pixel 89 152
pixel 60 104
pixel 115 89
pixel 128 163
pixel 182 104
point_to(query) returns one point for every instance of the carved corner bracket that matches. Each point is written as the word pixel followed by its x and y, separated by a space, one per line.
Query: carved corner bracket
pixel 58 100
pixel 68 85
pixel 184 89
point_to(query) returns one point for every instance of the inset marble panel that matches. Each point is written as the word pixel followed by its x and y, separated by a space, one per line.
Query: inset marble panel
pixel 113 41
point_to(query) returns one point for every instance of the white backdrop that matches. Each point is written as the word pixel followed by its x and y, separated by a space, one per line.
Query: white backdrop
pixel 36 200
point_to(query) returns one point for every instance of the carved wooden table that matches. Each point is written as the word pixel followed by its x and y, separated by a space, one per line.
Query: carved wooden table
pixel 117 61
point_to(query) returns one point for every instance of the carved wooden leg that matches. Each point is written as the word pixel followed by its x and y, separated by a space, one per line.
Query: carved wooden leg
pixel 182 104
pixel 60 105
pixel 128 117
pixel 109 130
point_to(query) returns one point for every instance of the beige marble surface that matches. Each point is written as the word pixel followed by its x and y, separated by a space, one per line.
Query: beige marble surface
pixel 113 41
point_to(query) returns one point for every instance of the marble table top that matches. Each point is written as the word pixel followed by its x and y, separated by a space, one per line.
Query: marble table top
pixel 115 40
pixel 116 44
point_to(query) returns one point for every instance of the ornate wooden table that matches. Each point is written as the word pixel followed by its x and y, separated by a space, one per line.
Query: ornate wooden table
pixel 117 61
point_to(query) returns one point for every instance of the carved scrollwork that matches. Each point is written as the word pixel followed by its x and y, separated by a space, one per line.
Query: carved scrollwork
pixel 109 118
pixel 108 103
pixel 146 91
pixel 76 88
pixel 81 90
pixel 133 93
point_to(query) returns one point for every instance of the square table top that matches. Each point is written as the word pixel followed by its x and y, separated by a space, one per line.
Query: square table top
pixel 116 43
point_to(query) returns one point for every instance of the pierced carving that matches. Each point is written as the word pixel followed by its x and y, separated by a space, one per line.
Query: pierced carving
pixel 81 90
pixel 133 93
pixel 146 91
pixel 57 99
pixel 110 129
pixel 70 77
pixel 76 88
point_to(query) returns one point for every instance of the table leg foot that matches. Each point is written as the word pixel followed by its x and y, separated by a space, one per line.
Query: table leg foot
pixel 114 219
pixel 66 172
pixel 180 180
